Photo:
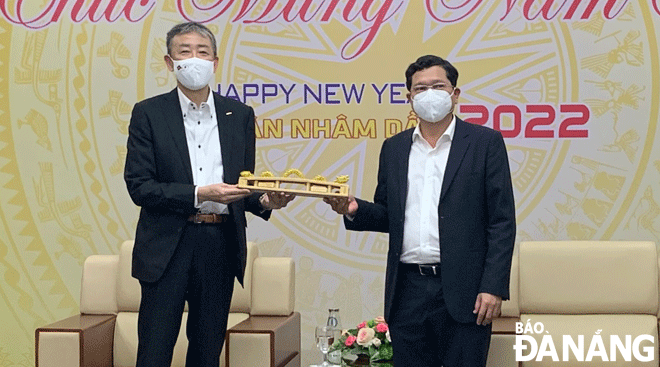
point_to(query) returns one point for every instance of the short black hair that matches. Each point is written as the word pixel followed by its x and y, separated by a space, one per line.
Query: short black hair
pixel 189 27
pixel 428 61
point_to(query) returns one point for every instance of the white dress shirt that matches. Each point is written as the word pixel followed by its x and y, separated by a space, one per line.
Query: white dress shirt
pixel 203 147
pixel 426 170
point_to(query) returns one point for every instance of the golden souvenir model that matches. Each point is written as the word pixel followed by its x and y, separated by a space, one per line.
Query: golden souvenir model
pixel 298 185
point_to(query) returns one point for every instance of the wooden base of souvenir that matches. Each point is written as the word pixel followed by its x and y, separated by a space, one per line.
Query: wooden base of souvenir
pixel 294 185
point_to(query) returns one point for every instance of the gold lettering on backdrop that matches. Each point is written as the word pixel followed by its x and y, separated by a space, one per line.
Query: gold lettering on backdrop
pixel 273 129
pixel 341 128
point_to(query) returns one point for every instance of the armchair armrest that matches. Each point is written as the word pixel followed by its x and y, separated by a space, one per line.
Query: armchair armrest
pixel 81 340
pixel 505 325
pixel 501 352
pixel 265 341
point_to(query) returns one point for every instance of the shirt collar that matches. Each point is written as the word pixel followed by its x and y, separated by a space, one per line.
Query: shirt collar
pixel 449 132
pixel 185 102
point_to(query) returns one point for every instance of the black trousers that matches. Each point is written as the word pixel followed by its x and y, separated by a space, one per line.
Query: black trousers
pixel 424 334
pixel 201 274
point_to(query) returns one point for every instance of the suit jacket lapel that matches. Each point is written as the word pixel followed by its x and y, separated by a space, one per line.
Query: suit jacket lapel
pixel 174 117
pixel 457 151
pixel 402 158
pixel 225 118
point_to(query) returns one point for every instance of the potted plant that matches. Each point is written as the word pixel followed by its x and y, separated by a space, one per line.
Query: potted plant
pixel 368 343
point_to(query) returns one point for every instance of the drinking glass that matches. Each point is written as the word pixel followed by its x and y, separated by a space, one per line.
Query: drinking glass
pixel 324 339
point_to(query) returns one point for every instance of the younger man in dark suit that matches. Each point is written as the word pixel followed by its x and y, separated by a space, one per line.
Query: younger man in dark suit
pixel 444 195
pixel 186 149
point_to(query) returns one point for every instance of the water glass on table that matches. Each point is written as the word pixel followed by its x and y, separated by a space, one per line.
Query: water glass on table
pixel 325 337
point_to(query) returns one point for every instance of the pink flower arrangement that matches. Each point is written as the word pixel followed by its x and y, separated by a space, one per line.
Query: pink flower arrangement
pixel 366 336
pixel 370 338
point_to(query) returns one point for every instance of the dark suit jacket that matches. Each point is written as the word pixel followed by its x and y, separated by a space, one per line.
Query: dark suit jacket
pixel 476 215
pixel 159 177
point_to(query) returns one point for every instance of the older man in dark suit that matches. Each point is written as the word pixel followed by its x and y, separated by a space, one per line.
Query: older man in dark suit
pixel 186 149
pixel 444 195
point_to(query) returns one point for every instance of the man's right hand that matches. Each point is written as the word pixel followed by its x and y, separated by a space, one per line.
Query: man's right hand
pixel 221 193
pixel 344 206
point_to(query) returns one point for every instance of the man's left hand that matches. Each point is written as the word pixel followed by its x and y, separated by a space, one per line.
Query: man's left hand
pixel 275 200
pixel 487 307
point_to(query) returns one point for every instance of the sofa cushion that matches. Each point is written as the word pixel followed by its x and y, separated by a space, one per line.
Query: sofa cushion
pixel 588 277
pixel 241 300
pixel 272 293
pixel 125 343
pixel 128 288
pixel 129 292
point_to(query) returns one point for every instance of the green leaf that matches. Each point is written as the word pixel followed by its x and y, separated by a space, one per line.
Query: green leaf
pixel 385 352
pixel 351 352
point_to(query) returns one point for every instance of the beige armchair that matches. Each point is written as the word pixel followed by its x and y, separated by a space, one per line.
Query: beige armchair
pixel 595 290
pixel 263 329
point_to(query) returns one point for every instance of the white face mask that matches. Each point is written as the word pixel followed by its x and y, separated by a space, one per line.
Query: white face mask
pixel 193 73
pixel 432 105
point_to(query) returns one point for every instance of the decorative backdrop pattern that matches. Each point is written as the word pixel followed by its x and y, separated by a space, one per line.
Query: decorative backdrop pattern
pixel 573 87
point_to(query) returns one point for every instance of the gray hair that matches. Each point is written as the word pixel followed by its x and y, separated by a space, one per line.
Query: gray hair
pixel 189 27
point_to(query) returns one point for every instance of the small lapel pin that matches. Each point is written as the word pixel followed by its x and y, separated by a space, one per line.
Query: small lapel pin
pixel 228 113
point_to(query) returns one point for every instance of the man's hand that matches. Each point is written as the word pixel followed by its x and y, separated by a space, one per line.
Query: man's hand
pixel 275 200
pixel 487 307
pixel 344 206
pixel 221 193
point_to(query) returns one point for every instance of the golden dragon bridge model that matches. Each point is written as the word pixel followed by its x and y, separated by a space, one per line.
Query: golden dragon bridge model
pixel 298 184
